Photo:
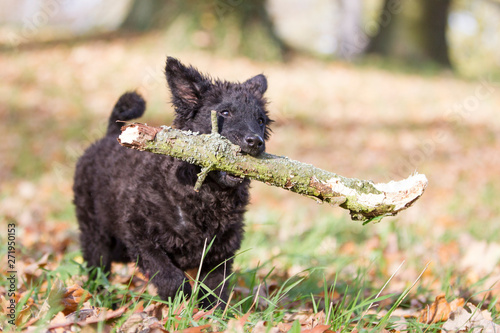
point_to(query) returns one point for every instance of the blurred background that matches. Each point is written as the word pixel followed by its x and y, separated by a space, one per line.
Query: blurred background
pixel 374 89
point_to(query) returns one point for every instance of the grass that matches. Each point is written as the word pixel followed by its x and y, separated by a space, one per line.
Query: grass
pixel 342 300
pixel 299 260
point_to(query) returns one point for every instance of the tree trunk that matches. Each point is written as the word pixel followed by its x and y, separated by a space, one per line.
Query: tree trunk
pixel 413 31
pixel 239 26
pixel 365 200
pixel 435 19
pixel 146 14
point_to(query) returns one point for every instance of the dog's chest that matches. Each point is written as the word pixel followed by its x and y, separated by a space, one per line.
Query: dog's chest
pixel 206 214
pixel 200 222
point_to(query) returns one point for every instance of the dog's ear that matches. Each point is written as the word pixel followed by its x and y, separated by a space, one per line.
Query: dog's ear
pixel 257 84
pixel 186 84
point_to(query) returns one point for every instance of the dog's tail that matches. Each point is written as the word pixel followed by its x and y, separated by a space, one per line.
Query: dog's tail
pixel 129 106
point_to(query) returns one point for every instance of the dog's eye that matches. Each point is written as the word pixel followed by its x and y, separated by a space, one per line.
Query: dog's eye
pixel 261 121
pixel 225 113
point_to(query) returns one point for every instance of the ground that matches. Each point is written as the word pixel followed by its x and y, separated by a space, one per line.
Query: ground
pixel 355 119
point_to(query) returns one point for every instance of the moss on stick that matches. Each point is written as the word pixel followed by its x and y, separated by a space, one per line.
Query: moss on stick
pixel 365 200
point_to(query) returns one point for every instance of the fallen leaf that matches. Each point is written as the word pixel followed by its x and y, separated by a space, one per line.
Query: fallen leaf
pixel 195 329
pixel 191 274
pixel 308 321
pixel 438 311
pixel 26 312
pixel 4 304
pixel 104 315
pixel 462 320
pixel 317 329
pixel 261 327
pixel 82 315
pixel 157 328
pixel 157 309
pixel 56 293
pixel 481 257
pixel 73 297
pixel 235 326
pixel 138 322
pixel 59 319
pixel 200 314
pixel 139 307
pixel 457 303
pixel 284 327
pixel 33 271
pixel 244 318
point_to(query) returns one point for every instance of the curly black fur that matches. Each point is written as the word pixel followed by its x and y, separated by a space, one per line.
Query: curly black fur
pixel 139 206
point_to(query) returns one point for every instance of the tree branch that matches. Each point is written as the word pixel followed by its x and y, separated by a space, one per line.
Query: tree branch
pixel 365 200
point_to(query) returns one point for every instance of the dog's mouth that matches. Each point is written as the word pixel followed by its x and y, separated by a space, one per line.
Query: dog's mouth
pixel 251 152
pixel 230 177
pixel 226 180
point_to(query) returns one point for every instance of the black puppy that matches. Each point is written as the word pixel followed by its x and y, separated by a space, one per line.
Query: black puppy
pixel 140 206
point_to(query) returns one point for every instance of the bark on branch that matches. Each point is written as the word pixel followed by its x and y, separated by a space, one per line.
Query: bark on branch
pixel 365 200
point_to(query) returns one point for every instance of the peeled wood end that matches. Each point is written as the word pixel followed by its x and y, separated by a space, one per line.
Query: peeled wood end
pixel 129 135
pixel 369 206
pixel 135 135
pixel 403 193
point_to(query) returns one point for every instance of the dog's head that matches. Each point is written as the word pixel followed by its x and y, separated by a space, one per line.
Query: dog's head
pixel 241 107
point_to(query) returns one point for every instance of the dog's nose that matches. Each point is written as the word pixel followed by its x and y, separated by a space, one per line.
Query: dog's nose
pixel 254 141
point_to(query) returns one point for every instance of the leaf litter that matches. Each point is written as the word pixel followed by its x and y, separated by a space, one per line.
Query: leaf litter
pixel 445 224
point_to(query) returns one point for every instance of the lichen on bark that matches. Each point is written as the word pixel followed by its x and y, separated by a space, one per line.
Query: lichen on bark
pixel 365 200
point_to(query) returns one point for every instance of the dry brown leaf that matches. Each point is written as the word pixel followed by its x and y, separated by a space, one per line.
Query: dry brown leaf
pixel 284 327
pixel 93 329
pixel 4 304
pixel 481 257
pixel 200 314
pixel 316 329
pixel 26 312
pixel 300 316
pixel 157 309
pixel 33 271
pixel 83 314
pixel 244 318
pixel 59 319
pixel 473 321
pixel 157 328
pixel 191 274
pixel 104 315
pixel 314 320
pixel 195 329
pixel 261 327
pixel 449 252
pixel 138 322
pixel 53 300
pixel 457 303
pixel 235 326
pixel 307 321
pixel 73 297
pixel 438 311
pixel 139 307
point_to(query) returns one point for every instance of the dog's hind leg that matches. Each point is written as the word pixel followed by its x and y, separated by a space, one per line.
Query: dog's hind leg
pixel 96 247
pixel 119 251
pixel 95 242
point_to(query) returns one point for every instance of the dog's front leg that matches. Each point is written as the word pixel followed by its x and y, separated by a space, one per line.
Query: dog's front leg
pixel 216 280
pixel 167 278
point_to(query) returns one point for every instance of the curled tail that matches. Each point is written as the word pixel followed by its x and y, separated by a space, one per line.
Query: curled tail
pixel 129 106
